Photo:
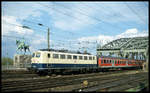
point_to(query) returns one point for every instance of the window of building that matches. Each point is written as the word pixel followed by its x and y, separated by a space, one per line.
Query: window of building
pixel 55 56
pixel 69 56
pixel 48 55
pixel 74 57
pixel 80 57
pixel 62 56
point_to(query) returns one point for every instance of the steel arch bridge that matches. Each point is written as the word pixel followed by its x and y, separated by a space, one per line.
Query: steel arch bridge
pixel 134 48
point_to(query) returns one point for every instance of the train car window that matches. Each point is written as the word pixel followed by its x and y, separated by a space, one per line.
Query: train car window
pixel 115 61
pixel 85 57
pixel 110 61
pixel 104 61
pixel 33 55
pixel 129 62
pixel 55 55
pixel 74 57
pixel 48 55
pixel 124 62
pixel 80 57
pixel 62 56
pixel 38 55
pixel 90 58
pixel 69 56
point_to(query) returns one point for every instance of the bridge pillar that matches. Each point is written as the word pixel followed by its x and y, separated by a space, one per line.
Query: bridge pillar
pixel 146 53
pixel 132 55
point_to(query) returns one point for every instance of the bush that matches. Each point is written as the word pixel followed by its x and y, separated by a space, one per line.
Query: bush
pixel 6 60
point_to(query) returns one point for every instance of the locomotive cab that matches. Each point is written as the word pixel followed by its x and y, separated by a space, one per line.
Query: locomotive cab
pixel 36 57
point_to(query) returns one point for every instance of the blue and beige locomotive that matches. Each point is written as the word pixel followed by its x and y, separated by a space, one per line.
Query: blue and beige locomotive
pixel 58 61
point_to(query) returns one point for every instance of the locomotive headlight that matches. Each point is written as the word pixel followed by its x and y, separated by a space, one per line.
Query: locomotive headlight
pixel 34 66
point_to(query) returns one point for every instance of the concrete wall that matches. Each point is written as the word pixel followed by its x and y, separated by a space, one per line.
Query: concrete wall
pixel 22 61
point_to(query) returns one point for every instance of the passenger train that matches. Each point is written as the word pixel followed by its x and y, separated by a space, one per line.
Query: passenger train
pixel 44 61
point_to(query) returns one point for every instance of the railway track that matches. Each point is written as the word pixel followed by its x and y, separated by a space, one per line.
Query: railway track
pixel 52 83
pixel 25 75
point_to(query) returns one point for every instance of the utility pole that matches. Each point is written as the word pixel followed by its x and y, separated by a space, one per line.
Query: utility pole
pixel 48 39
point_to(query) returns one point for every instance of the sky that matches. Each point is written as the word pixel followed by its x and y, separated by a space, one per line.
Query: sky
pixel 76 26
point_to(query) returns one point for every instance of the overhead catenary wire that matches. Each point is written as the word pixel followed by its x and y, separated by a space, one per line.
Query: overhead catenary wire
pixel 95 18
pixel 76 18
pixel 59 11
pixel 136 13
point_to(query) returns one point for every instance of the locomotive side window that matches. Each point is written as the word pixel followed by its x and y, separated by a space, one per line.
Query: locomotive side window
pixel 90 58
pixel 74 57
pixel 80 57
pixel 48 55
pixel 85 57
pixel 55 55
pixel 62 56
pixel 38 55
pixel 93 58
pixel 69 56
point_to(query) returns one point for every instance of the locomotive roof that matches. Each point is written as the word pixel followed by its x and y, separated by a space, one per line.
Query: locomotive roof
pixel 64 51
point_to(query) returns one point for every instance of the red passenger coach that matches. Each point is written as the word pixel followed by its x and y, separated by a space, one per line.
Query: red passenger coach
pixel 115 62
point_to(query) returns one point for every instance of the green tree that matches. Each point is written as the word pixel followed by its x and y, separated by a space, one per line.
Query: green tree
pixel 6 60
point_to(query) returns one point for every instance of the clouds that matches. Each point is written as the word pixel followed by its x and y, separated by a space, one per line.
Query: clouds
pixel 103 39
pixel 10 26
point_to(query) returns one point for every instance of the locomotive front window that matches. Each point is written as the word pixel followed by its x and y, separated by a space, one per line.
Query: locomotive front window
pixel 38 55
pixel 33 54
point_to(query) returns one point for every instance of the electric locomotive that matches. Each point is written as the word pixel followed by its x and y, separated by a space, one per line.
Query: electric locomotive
pixel 58 61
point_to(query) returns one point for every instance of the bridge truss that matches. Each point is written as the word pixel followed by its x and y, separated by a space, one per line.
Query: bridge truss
pixel 134 48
